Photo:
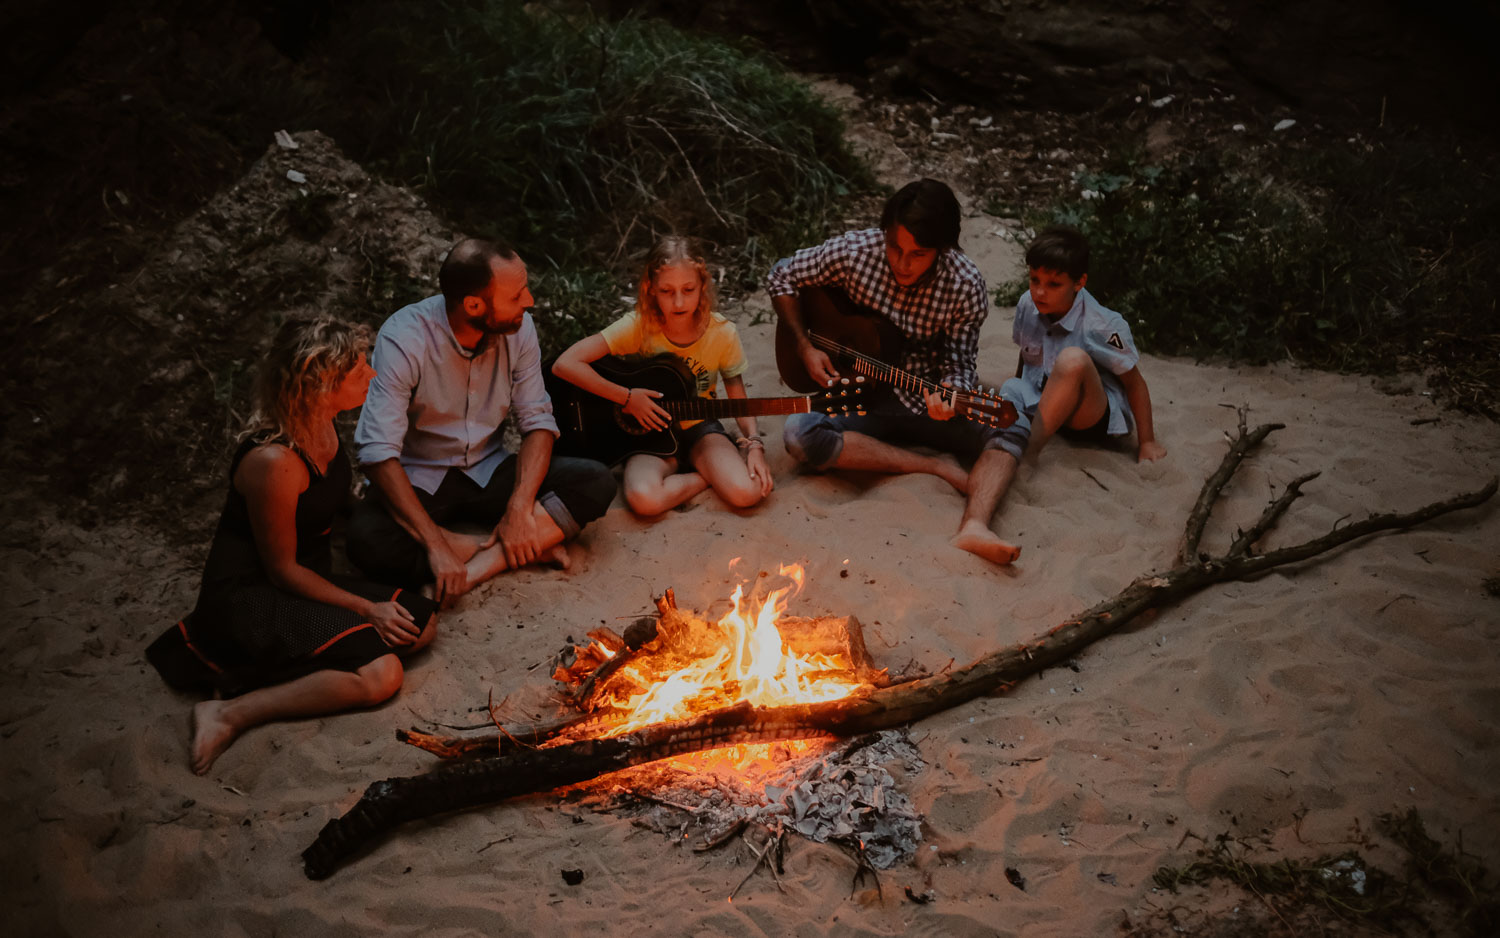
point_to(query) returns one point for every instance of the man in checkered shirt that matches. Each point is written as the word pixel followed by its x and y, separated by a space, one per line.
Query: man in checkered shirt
pixel 911 271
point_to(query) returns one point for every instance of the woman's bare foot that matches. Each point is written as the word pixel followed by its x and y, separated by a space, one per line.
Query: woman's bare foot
pixel 979 540
pixel 212 734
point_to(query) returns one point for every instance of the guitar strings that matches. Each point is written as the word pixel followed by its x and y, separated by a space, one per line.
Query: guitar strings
pixel 875 368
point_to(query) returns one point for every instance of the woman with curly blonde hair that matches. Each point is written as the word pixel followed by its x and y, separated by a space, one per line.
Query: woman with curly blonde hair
pixel 274 632
pixel 674 314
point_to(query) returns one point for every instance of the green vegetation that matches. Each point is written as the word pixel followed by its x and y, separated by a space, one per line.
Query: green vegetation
pixel 581 141
pixel 1349 255
pixel 1345 886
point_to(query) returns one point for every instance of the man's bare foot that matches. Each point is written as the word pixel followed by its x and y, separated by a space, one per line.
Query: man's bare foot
pixel 557 557
pixel 212 734
pixel 978 539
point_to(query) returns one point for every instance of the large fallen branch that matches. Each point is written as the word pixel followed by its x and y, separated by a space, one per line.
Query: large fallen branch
pixel 521 770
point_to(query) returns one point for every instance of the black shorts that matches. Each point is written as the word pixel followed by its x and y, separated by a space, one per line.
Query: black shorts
pixel 1097 433
pixel 687 439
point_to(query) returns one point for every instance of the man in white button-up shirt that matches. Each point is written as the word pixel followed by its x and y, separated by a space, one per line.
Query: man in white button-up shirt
pixel 448 370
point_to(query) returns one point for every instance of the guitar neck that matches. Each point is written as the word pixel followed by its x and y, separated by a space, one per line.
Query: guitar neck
pixel 706 408
pixel 877 369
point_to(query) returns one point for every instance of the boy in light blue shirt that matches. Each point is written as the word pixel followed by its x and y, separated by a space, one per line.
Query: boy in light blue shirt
pixel 1079 370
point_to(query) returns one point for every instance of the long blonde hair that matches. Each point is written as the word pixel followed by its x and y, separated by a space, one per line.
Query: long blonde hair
pixel 308 357
pixel 674 249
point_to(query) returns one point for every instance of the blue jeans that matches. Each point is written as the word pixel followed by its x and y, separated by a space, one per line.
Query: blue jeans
pixel 816 440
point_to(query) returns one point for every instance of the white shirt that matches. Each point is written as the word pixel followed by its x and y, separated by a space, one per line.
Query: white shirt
pixel 436 406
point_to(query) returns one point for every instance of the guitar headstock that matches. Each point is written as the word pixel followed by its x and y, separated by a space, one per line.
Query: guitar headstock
pixel 844 399
pixel 986 407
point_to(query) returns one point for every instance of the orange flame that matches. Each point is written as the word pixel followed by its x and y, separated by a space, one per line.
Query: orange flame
pixel 749 662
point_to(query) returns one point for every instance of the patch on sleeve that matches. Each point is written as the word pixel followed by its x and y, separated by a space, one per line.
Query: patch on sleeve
pixel 1114 340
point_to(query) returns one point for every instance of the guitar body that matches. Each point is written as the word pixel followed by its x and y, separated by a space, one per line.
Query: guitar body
pixel 861 342
pixel 599 429
pixel 828 312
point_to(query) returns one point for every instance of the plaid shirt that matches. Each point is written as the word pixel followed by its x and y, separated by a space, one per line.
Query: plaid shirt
pixel 940 316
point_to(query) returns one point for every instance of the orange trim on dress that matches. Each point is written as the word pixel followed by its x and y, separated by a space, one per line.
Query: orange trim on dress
pixel 324 647
pixel 182 627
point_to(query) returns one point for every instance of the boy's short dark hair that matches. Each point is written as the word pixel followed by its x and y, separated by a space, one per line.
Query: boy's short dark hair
pixel 1060 248
pixel 928 209
pixel 466 269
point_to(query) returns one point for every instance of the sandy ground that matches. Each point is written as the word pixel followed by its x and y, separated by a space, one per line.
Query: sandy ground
pixel 1286 709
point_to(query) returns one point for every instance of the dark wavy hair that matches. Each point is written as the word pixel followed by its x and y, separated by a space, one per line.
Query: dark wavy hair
pixel 308 357
pixel 928 209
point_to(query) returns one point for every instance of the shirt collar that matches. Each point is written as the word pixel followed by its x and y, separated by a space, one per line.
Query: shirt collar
pixel 1069 321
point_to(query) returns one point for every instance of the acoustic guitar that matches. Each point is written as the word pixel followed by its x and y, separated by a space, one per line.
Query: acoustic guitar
pixel 862 341
pixel 600 429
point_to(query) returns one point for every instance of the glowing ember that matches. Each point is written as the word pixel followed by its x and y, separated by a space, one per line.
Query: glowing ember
pixel 742 657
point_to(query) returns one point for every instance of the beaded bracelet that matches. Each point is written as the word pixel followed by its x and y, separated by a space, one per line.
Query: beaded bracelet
pixel 745 442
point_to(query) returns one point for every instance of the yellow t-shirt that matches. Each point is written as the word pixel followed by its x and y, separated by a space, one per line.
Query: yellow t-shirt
pixel 717 352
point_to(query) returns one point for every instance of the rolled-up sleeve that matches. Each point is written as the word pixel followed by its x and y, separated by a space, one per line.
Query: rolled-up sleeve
pixel 382 426
pixel 528 392
pixel 961 338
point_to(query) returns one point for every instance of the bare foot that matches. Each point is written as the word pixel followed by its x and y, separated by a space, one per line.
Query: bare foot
pixel 212 734
pixel 557 557
pixel 980 540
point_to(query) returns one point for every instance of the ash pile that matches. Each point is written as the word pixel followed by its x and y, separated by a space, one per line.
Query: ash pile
pixel 843 793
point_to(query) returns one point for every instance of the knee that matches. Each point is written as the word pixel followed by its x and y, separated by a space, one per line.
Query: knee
pixel 741 496
pixel 644 499
pixel 811 439
pixel 1073 361
pixel 380 679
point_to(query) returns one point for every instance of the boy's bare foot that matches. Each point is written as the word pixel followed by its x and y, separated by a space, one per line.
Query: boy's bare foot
pixel 979 540
pixel 212 734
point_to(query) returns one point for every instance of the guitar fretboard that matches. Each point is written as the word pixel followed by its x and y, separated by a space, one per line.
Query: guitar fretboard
pixel 879 370
pixel 704 408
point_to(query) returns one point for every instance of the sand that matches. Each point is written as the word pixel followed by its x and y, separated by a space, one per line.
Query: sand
pixel 1285 709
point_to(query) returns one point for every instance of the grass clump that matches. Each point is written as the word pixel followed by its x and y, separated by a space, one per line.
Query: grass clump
pixel 1352 256
pixel 581 141
pixel 1298 893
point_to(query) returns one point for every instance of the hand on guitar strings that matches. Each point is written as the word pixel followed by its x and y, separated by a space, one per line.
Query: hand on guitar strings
pixel 940 406
pixel 819 366
pixel 640 404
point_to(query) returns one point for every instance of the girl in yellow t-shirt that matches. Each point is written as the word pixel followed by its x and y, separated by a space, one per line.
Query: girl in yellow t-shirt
pixel 674 312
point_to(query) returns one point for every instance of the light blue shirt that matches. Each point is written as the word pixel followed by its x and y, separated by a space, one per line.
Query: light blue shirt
pixel 436 407
pixel 1099 331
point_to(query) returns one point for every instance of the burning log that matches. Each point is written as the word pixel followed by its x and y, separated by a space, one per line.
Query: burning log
pixel 388 803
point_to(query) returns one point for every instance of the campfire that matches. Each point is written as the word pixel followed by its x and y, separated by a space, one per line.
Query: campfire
pixel 678 665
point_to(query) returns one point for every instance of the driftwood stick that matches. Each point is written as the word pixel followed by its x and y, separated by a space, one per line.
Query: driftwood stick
pixel 1270 516
pixel 388 803
pixel 1389 521
pixel 457 785
pixel 489 744
pixel 642 632
pixel 1198 518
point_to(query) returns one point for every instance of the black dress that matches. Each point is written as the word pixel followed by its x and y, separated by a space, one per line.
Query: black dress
pixel 246 633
